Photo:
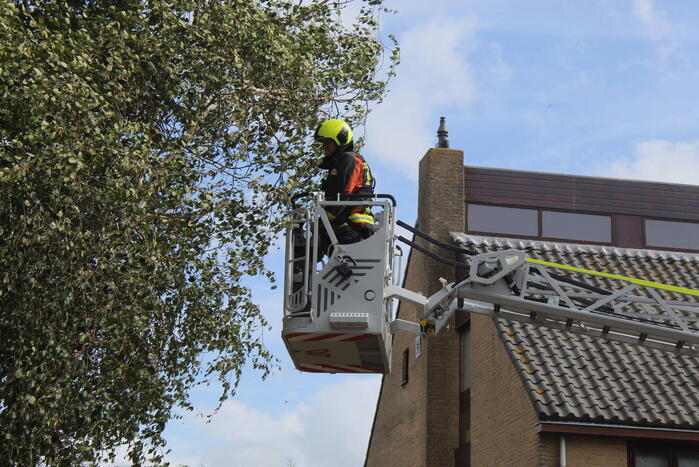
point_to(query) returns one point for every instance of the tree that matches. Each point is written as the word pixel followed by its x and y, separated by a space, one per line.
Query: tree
pixel 146 151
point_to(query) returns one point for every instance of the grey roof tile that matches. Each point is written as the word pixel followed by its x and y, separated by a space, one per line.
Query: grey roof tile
pixel 580 378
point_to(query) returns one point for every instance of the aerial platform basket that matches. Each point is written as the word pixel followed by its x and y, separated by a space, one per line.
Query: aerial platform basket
pixel 336 319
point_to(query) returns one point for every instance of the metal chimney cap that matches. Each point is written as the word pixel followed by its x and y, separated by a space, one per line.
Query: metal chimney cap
pixel 442 134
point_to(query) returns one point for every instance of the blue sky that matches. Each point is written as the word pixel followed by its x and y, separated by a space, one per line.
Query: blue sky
pixel 601 87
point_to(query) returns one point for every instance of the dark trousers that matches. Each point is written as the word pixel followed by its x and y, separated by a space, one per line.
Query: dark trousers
pixel 345 236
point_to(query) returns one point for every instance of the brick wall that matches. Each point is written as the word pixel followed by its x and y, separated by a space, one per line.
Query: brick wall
pixel 399 432
pixel 584 451
pixel 549 450
pixel 429 403
pixel 440 211
pixel 595 451
pixel 502 416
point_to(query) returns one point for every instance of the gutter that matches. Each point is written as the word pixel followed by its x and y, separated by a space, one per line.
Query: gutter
pixel 621 431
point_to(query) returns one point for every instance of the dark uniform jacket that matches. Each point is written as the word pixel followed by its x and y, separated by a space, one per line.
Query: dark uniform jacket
pixel 348 172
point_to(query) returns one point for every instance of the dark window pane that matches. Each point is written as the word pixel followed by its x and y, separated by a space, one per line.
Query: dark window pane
pixel 644 459
pixel 465 361
pixel 672 234
pixel 497 219
pixel 462 455
pixel 465 417
pixel 406 354
pixel 574 226
pixel 687 460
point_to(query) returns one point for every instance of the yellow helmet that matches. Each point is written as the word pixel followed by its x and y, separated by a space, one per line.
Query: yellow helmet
pixel 336 130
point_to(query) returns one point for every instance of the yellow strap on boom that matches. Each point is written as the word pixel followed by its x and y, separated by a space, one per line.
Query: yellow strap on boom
pixel 656 285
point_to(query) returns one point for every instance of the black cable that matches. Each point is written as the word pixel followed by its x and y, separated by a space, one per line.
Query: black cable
pixel 604 308
pixel 586 302
pixel 583 285
pixel 434 240
pixel 432 255
pixel 567 279
pixel 558 277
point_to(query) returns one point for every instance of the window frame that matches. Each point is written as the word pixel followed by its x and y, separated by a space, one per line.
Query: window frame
pixel 540 229
pixel 537 212
pixel 666 248
pixel 610 217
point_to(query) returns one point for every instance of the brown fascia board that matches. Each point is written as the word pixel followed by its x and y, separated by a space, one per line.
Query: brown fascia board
pixel 580 193
pixel 589 178
pixel 618 431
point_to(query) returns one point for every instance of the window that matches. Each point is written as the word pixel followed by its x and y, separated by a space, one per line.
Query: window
pixel 498 219
pixel 667 234
pixel 663 455
pixel 574 226
pixel 465 375
pixel 688 460
pixel 406 355
pixel 462 455
pixel 653 459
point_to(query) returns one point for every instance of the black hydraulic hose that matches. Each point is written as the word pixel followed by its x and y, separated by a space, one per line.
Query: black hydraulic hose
pixel 458 264
pixel 584 301
pixel 432 255
pixel 434 240
pixel 558 277
pixel 610 310
pixel 534 285
pixel 587 302
pixel 583 285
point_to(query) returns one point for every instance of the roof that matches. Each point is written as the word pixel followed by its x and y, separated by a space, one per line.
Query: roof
pixel 572 377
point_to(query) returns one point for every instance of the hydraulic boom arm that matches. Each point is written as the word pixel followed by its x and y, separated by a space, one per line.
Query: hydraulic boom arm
pixel 510 285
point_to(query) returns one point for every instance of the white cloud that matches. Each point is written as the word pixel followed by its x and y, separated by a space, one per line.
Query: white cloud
pixel 498 70
pixel 434 73
pixel 658 160
pixel 659 29
pixel 654 20
pixel 331 428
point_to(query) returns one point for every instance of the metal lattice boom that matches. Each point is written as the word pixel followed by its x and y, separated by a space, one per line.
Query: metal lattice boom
pixel 509 285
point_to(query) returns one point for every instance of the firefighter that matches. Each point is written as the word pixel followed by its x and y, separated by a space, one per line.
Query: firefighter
pixel 348 173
